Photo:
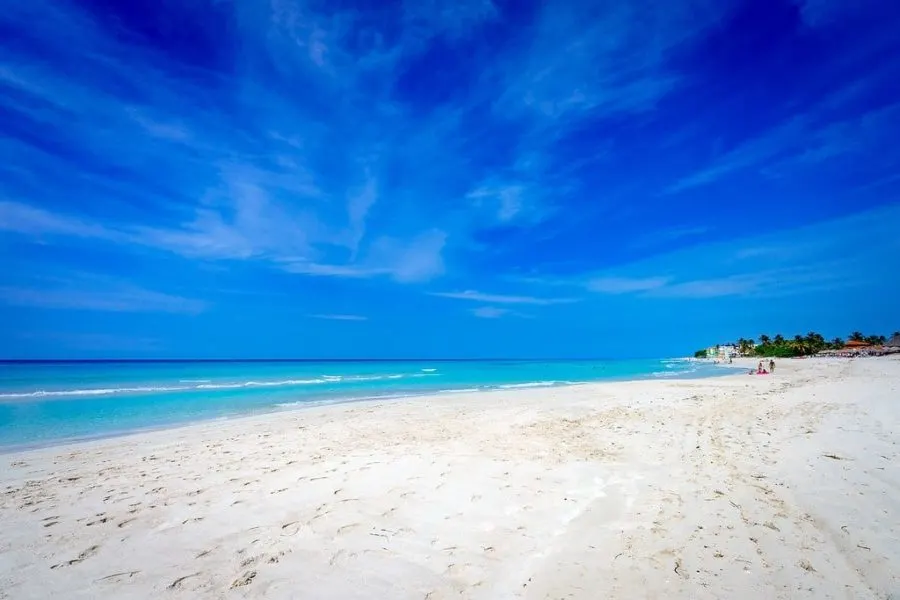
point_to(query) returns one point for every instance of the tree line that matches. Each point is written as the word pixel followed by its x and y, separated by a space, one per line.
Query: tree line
pixel 779 346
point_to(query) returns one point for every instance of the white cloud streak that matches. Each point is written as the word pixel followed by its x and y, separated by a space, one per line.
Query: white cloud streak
pixel 625 285
pixel 122 298
pixel 339 317
pixel 415 260
pixel 494 312
pixel 843 253
pixel 489 312
pixel 474 296
pixel 16 217
pixel 250 186
pixel 803 140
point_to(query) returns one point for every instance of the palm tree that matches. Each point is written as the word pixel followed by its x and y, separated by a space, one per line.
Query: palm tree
pixel 857 336
pixel 799 344
pixel 779 339
pixel 815 340
pixel 837 343
pixel 764 340
pixel 746 345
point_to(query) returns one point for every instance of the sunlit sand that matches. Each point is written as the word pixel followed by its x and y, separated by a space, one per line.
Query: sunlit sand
pixel 751 487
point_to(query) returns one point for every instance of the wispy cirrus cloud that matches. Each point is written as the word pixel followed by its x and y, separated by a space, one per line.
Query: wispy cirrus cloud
pixel 618 63
pixel 494 312
pixel 765 283
pixel 17 217
pixel 338 148
pixel 821 14
pixel 571 70
pixel 117 298
pixel 833 255
pixel 626 285
pixel 489 312
pixel 302 147
pixel 405 261
pixel 806 140
pixel 339 317
pixel 247 175
pixel 669 235
pixel 475 296
pixel 505 201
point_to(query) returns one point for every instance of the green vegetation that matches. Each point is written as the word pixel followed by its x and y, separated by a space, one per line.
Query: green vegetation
pixel 800 345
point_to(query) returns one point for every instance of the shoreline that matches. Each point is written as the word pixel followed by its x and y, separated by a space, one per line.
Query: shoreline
pixel 339 400
pixel 733 486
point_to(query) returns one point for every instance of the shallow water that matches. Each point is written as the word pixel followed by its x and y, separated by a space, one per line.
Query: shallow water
pixel 52 402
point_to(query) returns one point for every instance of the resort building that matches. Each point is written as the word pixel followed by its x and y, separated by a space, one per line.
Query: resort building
pixel 722 351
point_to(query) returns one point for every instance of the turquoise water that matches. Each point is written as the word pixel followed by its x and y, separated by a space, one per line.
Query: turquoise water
pixel 48 403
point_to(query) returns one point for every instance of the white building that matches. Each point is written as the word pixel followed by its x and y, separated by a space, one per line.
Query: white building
pixel 722 351
pixel 727 351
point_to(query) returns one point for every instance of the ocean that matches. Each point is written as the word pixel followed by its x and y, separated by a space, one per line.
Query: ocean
pixel 48 403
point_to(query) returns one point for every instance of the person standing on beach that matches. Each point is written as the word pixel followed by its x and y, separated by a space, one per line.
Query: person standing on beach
pixel 772 365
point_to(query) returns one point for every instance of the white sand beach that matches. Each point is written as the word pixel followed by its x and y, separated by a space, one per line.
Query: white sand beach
pixel 784 486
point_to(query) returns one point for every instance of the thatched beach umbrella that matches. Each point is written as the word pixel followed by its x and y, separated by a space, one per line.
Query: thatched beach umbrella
pixel 856 345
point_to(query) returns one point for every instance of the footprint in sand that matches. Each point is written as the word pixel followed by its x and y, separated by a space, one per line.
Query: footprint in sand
pixel 243 580
pixel 117 577
pixel 292 528
pixel 247 562
pixel 345 528
pixel 175 585
pixel 80 558
pixel 336 556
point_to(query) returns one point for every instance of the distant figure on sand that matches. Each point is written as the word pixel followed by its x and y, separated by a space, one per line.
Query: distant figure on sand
pixel 772 366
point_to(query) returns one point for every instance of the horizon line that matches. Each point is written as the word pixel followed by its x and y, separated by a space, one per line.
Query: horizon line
pixel 249 360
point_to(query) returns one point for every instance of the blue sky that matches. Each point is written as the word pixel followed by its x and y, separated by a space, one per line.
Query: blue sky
pixel 293 178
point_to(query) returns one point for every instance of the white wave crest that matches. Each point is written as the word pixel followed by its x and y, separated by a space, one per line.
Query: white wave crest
pixel 90 392
pixel 532 384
